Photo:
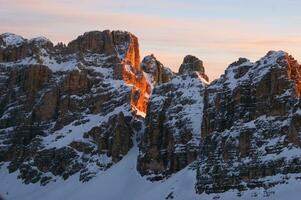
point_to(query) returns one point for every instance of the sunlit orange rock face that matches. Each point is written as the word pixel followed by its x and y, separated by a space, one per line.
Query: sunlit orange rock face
pixel 294 73
pixel 123 48
pixel 133 75
pixel 140 93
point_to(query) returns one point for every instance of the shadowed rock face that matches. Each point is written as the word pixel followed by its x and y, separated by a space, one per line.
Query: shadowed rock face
pixel 249 90
pixel 14 47
pixel 250 127
pixel 249 124
pixel 173 123
pixel 193 64
pixel 95 41
pixel 155 71
pixel 57 101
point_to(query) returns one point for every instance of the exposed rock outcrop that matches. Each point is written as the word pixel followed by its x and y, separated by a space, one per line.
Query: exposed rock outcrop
pixel 94 41
pixel 173 124
pixel 155 71
pixel 249 125
pixel 64 109
pixel 14 47
pixel 193 64
pixel 119 145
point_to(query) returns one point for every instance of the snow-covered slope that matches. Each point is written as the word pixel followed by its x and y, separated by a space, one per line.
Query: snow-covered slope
pixel 122 181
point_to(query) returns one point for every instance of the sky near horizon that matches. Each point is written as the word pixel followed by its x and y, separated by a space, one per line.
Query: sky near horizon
pixel 216 31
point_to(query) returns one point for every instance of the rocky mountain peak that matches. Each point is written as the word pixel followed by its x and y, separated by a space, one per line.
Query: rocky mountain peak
pixel 155 71
pixel 240 61
pixel 94 41
pixel 193 64
pixel 127 47
pixel 10 40
pixel 40 41
pixel 121 44
pixel 251 118
pixel 92 86
pixel 118 50
pixel 270 80
pixel 190 64
pixel 173 120
pixel 149 63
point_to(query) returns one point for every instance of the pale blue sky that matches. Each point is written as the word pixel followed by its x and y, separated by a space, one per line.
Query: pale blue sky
pixel 216 31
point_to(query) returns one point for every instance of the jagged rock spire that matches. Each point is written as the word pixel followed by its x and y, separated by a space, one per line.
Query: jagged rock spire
pixel 193 64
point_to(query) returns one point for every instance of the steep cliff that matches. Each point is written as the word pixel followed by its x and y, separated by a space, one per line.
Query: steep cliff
pixel 173 122
pixel 251 126
pixel 67 109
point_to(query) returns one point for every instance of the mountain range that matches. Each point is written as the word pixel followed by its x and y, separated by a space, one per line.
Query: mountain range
pixel 92 120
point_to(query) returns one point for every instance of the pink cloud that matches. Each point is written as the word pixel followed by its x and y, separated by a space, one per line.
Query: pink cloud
pixel 218 42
